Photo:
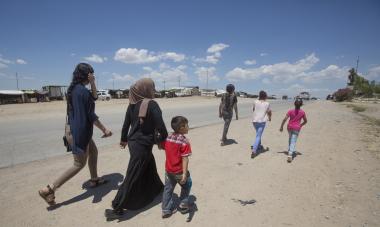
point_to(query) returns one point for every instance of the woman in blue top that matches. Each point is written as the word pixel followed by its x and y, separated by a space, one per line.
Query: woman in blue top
pixel 82 117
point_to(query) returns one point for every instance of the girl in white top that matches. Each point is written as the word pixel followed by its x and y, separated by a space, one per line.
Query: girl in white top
pixel 261 114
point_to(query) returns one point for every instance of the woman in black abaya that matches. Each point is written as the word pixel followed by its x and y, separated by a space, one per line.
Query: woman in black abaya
pixel 143 127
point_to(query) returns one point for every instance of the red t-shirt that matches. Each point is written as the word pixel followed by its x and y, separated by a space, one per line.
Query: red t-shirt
pixel 176 146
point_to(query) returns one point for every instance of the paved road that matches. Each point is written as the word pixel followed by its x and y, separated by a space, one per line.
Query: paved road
pixel 38 139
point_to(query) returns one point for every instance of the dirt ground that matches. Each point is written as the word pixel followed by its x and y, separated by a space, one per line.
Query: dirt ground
pixel 334 181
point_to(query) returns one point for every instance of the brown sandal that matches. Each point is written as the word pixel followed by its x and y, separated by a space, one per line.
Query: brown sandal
pixel 48 196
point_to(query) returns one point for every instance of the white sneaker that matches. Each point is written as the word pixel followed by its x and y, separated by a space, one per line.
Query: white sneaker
pixel 290 158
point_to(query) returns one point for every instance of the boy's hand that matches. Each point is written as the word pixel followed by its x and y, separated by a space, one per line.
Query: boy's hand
pixel 123 144
pixel 281 129
pixel 184 179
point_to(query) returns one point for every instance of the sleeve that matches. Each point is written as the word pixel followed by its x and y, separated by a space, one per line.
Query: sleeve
pixel 185 149
pixel 90 106
pixel 126 125
pixel 159 124
pixel 288 113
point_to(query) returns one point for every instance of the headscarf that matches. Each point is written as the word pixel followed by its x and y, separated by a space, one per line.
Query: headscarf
pixel 143 90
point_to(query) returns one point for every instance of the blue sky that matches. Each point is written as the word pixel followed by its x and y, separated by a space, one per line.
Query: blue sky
pixel 283 47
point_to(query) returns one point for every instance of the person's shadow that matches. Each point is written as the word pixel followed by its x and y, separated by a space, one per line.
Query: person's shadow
pixel 295 154
pixel 97 193
pixel 229 142
pixel 132 213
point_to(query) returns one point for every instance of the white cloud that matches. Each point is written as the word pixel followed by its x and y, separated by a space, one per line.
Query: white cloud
pixel 142 56
pixel 73 54
pixel 4 62
pixel 147 68
pixel 207 73
pixel 374 73
pixel 6 76
pixel 214 48
pixel 281 72
pixel 3 66
pixel 215 56
pixel 21 61
pixel 263 54
pixel 173 56
pixel 330 72
pixel 170 75
pixel 250 62
pixel 163 66
pixel 95 58
pixel 135 56
pixel 266 81
pixel 122 78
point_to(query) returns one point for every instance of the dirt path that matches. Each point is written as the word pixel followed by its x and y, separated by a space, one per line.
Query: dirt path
pixel 335 182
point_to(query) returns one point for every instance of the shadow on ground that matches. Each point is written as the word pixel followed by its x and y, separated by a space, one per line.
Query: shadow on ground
pixel 97 193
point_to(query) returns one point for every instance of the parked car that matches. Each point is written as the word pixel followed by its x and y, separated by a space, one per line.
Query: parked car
pixel 104 95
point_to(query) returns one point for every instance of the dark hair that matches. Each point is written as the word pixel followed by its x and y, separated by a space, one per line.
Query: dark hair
pixel 178 122
pixel 262 95
pixel 230 88
pixel 80 75
pixel 298 103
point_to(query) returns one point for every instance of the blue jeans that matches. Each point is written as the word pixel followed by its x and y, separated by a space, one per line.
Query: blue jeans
pixel 293 135
pixel 259 127
pixel 171 181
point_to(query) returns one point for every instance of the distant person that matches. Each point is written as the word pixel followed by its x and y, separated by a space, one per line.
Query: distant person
pixel 227 104
pixel 81 118
pixel 294 126
pixel 177 150
pixel 261 114
pixel 143 127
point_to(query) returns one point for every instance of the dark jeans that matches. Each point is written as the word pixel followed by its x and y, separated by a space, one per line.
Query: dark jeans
pixel 227 117
pixel 171 181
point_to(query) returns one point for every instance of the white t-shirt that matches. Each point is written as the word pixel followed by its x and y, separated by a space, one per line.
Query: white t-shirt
pixel 261 110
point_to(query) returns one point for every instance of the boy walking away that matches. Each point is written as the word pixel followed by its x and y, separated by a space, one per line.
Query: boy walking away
pixel 294 126
pixel 227 104
pixel 177 150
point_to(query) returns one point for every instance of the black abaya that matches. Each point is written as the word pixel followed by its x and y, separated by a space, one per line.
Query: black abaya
pixel 141 183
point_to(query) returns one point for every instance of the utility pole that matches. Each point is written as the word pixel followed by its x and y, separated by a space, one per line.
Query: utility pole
pixel 113 83
pixel 179 81
pixel 207 79
pixel 17 81
pixel 357 65
pixel 164 84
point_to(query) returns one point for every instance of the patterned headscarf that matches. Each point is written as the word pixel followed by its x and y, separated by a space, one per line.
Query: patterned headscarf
pixel 143 90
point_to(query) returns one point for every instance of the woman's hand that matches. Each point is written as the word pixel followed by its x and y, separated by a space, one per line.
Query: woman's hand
pixel 91 78
pixel 123 144
pixel 281 129
pixel 107 133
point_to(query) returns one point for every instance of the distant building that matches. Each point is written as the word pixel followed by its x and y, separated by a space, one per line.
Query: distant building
pixel 55 92
pixel 11 96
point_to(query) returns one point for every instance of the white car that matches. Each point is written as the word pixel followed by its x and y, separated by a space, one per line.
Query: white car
pixel 104 95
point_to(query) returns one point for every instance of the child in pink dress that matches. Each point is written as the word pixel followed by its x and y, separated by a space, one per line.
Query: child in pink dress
pixel 294 126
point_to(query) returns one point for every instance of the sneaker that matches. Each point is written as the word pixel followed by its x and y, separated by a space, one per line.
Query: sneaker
pixel 222 144
pixel 166 214
pixel 183 209
pixel 290 158
pixel 253 155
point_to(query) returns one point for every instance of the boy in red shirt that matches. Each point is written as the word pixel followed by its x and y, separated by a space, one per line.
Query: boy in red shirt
pixel 177 150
